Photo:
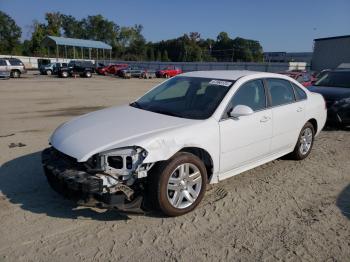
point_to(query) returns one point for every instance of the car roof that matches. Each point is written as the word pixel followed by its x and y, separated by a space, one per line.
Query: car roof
pixel 228 74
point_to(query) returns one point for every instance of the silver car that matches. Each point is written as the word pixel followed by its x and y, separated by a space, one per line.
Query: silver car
pixel 12 65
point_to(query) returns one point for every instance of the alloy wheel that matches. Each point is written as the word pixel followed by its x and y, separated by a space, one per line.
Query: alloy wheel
pixel 305 141
pixel 184 186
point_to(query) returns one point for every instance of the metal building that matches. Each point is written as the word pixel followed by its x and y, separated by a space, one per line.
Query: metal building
pixel 76 48
pixel 330 52
pixel 285 57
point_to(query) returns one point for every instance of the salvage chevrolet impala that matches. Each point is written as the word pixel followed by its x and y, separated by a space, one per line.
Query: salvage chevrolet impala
pixel 193 129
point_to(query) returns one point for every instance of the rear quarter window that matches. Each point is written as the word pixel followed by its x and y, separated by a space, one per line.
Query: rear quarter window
pixel 299 93
pixel 15 62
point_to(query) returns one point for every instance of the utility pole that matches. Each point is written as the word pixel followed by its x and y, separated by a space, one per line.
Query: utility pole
pixel 233 51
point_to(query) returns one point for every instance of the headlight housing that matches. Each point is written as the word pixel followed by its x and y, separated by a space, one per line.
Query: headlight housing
pixel 122 161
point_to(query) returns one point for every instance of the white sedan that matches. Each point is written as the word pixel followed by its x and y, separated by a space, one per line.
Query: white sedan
pixel 191 130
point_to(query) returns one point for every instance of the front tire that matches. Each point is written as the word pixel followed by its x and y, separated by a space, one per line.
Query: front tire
pixel 88 74
pixel 305 142
pixel 179 184
pixel 48 72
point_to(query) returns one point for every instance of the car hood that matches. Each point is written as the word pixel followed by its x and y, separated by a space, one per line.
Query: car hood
pixel 331 93
pixel 110 128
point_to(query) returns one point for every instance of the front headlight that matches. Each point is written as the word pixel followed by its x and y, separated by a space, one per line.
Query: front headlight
pixel 122 161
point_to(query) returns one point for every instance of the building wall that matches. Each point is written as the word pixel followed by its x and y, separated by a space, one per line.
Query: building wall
pixel 329 53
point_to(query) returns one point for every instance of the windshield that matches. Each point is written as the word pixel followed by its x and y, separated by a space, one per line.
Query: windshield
pixel 335 79
pixel 187 97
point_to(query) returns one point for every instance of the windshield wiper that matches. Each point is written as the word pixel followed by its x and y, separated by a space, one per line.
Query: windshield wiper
pixel 136 104
pixel 164 112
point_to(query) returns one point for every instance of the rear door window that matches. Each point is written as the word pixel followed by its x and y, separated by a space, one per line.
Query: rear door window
pixel 281 91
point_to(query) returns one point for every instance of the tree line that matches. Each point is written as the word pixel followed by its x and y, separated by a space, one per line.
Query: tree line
pixel 127 42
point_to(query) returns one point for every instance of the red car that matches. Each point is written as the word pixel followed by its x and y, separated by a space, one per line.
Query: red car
pixel 303 78
pixel 110 69
pixel 169 71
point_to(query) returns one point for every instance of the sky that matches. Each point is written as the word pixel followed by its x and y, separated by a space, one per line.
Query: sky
pixel 278 25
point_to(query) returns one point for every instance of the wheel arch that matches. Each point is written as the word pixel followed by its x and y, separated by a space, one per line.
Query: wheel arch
pixel 204 156
pixel 313 122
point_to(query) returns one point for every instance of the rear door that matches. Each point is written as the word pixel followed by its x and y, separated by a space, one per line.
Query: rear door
pixel 3 65
pixel 172 71
pixel 288 114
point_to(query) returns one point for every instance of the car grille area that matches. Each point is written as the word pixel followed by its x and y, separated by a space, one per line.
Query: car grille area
pixel 69 177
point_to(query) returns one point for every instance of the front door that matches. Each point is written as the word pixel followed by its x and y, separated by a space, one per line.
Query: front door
pixel 247 138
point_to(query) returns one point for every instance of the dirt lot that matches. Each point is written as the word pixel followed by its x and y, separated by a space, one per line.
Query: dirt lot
pixel 284 210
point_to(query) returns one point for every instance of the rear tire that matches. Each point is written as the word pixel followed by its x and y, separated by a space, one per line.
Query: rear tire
pixel 64 74
pixel 16 74
pixel 88 74
pixel 177 186
pixel 305 142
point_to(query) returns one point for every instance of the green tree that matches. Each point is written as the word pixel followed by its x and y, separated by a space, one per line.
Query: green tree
pixel 131 43
pixel 165 57
pixel 72 27
pixel 39 33
pixel 10 34
pixel 159 55
pixel 150 53
pixel 54 22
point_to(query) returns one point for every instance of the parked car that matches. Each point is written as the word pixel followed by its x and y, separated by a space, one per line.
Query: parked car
pixel 110 69
pixel 4 74
pixel 321 74
pixel 168 71
pixel 131 71
pixel 303 78
pixel 57 66
pixel 77 67
pixel 13 65
pixel 193 129
pixel 148 74
pixel 334 85
pixel 51 68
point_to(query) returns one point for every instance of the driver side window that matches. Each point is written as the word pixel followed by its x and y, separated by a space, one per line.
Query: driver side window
pixel 250 94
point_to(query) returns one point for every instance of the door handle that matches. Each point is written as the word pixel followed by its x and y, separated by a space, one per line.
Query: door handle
pixel 299 109
pixel 265 119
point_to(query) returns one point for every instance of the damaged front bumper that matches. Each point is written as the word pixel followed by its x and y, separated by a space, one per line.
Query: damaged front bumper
pixel 75 181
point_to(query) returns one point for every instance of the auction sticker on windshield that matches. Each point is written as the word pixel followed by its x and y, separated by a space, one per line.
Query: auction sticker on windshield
pixel 220 83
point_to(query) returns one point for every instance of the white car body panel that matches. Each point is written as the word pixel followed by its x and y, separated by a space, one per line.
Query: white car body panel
pixel 238 148
pixel 235 145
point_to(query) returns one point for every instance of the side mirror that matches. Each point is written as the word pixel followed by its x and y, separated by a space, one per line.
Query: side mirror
pixel 241 110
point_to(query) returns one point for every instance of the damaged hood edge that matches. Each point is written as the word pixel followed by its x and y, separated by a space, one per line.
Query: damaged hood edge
pixel 113 128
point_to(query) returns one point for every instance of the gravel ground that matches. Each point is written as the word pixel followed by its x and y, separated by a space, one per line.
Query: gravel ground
pixel 284 210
